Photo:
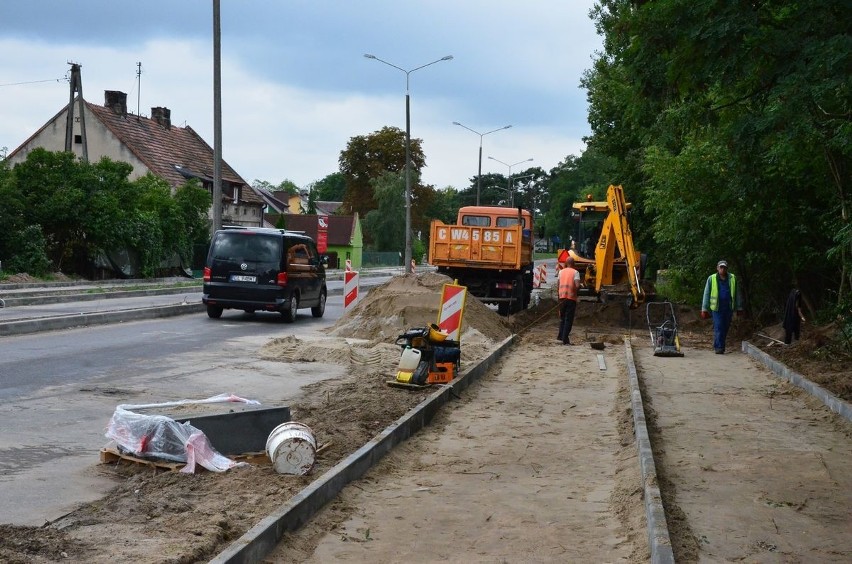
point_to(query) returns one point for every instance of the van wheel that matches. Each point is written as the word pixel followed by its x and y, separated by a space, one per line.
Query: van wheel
pixel 319 309
pixel 214 312
pixel 289 312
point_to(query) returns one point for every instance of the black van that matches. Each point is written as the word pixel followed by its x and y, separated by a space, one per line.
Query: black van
pixel 252 268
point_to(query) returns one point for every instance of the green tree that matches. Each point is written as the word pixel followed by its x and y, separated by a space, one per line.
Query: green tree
pixel 367 157
pixel 712 110
pixel 387 221
pixel 331 188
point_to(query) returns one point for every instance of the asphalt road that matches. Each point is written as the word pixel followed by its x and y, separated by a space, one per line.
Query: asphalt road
pixel 58 390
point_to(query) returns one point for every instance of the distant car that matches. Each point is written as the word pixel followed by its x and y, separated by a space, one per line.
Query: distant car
pixel 259 269
pixel 540 247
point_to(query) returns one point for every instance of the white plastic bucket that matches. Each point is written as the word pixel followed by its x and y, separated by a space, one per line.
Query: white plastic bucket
pixel 292 448
pixel 410 359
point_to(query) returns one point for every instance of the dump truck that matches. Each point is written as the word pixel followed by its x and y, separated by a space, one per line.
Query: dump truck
pixel 609 265
pixel 490 251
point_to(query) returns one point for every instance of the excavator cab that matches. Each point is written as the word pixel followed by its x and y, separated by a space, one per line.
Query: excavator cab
pixel 609 265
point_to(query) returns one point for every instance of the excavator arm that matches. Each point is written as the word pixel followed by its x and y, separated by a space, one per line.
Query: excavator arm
pixel 616 235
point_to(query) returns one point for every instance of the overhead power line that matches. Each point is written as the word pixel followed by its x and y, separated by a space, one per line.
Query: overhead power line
pixel 64 78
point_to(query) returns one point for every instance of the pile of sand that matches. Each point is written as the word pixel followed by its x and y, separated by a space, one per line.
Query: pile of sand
pixel 365 336
pixel 409 301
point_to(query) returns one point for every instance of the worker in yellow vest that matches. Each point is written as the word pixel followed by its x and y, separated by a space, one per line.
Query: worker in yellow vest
pixel 569 288
pixel 721 299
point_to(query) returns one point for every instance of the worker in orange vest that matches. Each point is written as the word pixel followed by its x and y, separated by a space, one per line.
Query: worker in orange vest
pixel 569 287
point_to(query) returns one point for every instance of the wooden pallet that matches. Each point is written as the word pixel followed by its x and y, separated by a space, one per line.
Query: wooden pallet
pixel 114 456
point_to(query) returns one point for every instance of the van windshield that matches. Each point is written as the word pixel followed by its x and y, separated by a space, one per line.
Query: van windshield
pixel 244 246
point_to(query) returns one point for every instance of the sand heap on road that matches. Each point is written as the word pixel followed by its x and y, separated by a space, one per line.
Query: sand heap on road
pixel 365 336
pixel 410 301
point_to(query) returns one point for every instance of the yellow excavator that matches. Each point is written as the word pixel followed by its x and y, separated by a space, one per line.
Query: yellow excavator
pixel 609 265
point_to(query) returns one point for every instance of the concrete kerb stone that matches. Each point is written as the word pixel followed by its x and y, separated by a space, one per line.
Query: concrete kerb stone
pixel 38 324
pixel 92 296
pixel 98 318
pixel 835 404
pixel 658 531
pixel 258 541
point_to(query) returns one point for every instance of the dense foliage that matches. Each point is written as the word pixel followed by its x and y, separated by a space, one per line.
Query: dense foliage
pixel 728 123
pixel 61 213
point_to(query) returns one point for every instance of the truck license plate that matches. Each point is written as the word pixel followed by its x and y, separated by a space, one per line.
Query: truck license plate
pixel 242 278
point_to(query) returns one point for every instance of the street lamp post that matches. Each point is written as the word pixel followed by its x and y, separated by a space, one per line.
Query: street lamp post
pixel 407 151
pixel 481 135
pixel 509 183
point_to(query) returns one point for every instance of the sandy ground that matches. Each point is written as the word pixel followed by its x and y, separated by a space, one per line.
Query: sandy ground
pixel 752 469
pixel 534 463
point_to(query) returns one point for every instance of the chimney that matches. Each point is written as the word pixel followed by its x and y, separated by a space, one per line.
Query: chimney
pixel 116 101
pixel 163 116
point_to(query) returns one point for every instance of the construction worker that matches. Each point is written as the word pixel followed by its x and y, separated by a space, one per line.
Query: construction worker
pixel 722 298
pixel 569 287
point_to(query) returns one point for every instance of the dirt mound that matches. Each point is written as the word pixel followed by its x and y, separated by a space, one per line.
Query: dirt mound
pixel 409 301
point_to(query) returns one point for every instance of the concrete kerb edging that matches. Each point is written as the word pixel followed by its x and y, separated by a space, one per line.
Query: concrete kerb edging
pixel 835 404
pixel 258 541
pixel 38 324
pixel 98 318
pixel 658 531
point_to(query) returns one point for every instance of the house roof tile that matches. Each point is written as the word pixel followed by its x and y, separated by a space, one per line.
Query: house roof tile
pixel 174 154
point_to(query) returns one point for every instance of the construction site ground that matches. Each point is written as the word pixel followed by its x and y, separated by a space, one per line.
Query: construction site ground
pixel 536 462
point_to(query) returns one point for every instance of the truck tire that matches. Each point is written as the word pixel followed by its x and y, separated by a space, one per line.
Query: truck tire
pixel 520 296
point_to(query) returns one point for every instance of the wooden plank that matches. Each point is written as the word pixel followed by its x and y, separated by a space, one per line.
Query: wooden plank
pixel 601 362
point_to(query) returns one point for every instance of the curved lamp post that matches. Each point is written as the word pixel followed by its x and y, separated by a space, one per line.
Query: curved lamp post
pixel 481 135
pixel 407 151
pixel 509 183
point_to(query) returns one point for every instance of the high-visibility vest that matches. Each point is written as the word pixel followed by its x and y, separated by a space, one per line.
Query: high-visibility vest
pixel 714 291
pixel 567 288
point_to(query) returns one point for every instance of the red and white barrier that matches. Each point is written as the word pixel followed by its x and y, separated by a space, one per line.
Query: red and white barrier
pixel 542 278
pixel 348 265
pixel 350 289
pixel 536 277
pixel 452 309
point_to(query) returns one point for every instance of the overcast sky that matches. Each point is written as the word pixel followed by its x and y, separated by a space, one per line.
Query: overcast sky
pixel 296 86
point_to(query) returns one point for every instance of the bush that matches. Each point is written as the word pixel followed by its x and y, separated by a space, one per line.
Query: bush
pixel 31 256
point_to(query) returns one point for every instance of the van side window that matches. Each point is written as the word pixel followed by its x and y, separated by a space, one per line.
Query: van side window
pixel 298 254
pixel 476 220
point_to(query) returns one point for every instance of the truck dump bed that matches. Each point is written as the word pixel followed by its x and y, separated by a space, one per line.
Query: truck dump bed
pixel 478 247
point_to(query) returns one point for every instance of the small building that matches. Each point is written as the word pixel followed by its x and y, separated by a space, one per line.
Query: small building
pixel 344 237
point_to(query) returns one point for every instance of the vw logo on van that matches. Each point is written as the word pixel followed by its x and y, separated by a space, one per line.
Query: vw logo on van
pixel 243 266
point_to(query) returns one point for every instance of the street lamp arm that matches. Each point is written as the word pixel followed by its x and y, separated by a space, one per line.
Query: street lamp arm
pixel 375 58
pixel 445 58
pixel 501 162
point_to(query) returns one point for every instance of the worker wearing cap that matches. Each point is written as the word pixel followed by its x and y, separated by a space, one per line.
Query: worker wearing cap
pixel 569 288
pixel 721 298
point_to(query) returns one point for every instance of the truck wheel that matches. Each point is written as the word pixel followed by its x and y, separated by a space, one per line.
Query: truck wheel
pixel 520 296
pixel 214 312
pixel 503 308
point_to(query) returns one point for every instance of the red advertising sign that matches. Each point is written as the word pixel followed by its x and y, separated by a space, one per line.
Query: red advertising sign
pixel 322 233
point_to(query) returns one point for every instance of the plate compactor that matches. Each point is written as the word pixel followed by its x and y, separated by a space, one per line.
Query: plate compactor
pixel 428 358
pixel 662 324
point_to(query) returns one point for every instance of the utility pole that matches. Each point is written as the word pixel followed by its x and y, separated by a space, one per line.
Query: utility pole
pixel 76 88
pixel 217 119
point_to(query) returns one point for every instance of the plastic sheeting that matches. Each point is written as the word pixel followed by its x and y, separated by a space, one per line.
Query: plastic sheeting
pixel 158 436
